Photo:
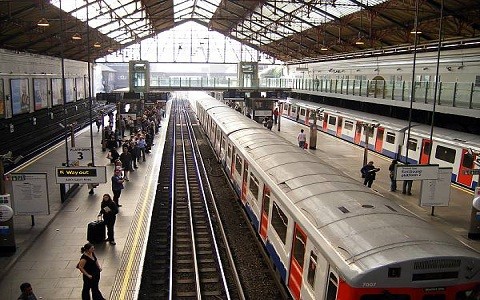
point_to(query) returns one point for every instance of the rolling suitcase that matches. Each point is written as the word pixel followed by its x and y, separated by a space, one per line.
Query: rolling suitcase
pixel 96 231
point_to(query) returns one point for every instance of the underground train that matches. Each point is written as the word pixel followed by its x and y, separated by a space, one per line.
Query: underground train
pixel 388 136
pixel 328 236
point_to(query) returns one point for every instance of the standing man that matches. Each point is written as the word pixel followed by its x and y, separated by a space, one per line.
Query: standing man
pixel 117 185
pixel 275 115
pixel 368 172
pixel 301 138
pixel 393 182
pixel 27 292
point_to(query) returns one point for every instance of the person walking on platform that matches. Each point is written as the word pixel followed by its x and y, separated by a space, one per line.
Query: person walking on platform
pixel 269 123
pixel 301 138
pixel 368 172
pixel 117 186
pixel 27 292
pixel 393 182
pixel 90 269
pixel 109 210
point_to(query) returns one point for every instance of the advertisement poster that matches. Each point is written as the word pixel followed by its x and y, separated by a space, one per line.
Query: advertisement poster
pixel 70 89
pixel 40 93
pixel 2 100
pixel 80 88
pixel 20 96
pixel 57 92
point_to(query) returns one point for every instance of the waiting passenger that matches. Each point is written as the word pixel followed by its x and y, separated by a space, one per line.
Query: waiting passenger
pixel 393 182
pixel 301 138
pixel 368 172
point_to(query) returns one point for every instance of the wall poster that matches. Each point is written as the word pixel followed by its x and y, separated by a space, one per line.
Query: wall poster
pixel 79 85
pixel 57 91
pixel 70 89
pixel 20 96
pixel 2 99
pixel 40 92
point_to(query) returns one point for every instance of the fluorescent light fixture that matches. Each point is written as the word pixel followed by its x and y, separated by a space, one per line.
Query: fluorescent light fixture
pixel 97 45
pixel 43 22
pixel 76 36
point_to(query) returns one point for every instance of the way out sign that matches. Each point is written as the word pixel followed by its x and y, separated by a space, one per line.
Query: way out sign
pixel 81 175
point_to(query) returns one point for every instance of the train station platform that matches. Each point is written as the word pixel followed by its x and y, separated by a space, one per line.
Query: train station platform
pixel 347 157
pixel 48 252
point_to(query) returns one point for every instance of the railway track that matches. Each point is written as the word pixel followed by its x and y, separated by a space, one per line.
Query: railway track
pixel 187 263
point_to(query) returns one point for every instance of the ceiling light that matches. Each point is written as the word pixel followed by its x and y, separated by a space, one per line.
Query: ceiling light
pixel 97 45
pixel 43 22
pixel 323 48
pixel 110 50
pixel 76 36
pixel 359 42
pixel 415 31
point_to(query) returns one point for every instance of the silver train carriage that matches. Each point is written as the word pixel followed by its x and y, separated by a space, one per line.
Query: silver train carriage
pixel 328 236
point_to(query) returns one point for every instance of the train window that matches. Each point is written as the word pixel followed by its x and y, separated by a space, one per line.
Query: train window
pixel 332 120
pixel 332 287
pixel 253 185
pixel 390 138
pixel 427 148
pixel 229 151
pixel 299 247
pixel 294 109
pixel 279 222
pixel 412 144
pixel 312 268
pixel 385 296
pixel 465 295
pixel 302 111
pixel 266 201
pixel 445 154
pixel 348 125
pixel 368 130
pixel 477 81
pixel 238 164
pixel 468 160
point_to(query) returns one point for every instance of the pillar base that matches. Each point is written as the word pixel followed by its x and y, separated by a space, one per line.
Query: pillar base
pixel 474 236
pixel 7 250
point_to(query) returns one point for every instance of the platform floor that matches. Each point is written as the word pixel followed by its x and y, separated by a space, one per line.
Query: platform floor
pixel 48 252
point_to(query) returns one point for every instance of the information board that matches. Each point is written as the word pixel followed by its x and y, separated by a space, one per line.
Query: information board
pixel 436 192
pixel 416 172
pixel 29 193
pixel 82 155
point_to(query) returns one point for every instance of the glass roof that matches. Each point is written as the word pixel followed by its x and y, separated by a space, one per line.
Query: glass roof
pixel 188 9
pixel 122 20
pixel 291 17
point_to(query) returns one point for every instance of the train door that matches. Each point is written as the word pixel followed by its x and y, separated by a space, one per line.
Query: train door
pixel 325 122
pixel 339 126
pixel 264 212
pixel 296 263
pixel 425 153
pixel 358 133
pixel 466 165
pixel 244 181
pixel 379 140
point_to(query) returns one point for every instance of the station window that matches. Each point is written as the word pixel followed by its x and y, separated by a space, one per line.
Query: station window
pixel 332 120
pixel 412 144
pixel 279 222
pixel 312 268
pixel 238 164
pixel 348 125
pixel 445 154
pixel 253 185
pixel 390 138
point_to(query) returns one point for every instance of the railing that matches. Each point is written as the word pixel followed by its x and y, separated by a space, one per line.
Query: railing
pixel 455 94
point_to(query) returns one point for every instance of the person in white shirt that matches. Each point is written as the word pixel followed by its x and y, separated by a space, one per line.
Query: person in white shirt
pixel 302 138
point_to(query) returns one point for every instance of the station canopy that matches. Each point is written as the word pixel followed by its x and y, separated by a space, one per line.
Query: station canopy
pixel 288 31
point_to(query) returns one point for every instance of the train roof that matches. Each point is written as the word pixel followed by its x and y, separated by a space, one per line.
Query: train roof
pixel 360 231
pixel 466 140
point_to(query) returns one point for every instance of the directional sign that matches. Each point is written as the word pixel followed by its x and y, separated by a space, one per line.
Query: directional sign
pixel 416 172
pixel 81 175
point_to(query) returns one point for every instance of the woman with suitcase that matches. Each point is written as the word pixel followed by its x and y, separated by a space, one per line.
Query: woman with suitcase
pixel 109 210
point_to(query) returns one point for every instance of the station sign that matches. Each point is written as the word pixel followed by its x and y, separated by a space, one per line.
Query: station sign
pixel 81 174
pixel 416 172
pixel 80 154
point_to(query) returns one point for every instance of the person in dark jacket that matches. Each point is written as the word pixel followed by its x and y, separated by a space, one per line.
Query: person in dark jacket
pixel 109 210
pixel 90 269
pixel 27 292
pixel 117 186
pixel 393 182
pixel 368 172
